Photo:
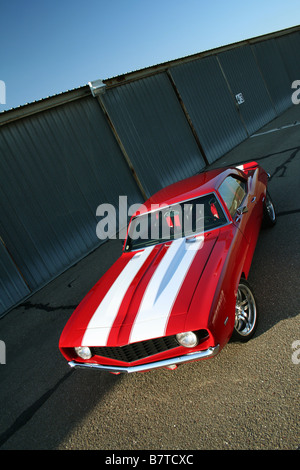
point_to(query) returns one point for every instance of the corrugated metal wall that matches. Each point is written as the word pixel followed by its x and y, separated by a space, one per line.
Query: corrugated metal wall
pixel 289 47
pixel 152 127
pixel 209 103
pixel 147 130
pixel 274 73
pixel 244 77
pixel 56 168
pixel 12 285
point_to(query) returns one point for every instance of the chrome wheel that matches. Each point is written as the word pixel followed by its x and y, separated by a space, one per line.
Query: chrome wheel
pixel 245 312
pixel 269 218
pixel 270 208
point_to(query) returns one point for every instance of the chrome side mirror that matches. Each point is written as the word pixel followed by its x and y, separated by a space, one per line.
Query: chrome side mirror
pixel 242 210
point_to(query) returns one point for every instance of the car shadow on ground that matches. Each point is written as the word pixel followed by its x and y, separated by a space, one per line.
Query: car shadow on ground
pixel 275 270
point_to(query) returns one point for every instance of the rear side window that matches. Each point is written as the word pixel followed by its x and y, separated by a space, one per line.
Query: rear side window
pixel 232 191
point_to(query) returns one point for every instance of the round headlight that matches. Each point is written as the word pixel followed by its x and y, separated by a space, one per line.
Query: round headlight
pixel 188 339
pixel 84 352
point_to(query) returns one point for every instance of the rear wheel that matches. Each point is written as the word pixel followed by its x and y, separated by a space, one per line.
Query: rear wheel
pixel 245 313
pixel 269 217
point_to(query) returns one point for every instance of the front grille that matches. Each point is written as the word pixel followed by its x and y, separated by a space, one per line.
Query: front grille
pixel 134 352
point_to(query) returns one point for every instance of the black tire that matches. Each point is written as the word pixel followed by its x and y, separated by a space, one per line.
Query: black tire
pixel 269 216
pixel 246 313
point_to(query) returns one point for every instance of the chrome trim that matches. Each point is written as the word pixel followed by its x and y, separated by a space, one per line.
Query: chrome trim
pixel 206 354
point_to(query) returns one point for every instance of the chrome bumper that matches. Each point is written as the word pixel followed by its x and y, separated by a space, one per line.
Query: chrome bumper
pixel 206 354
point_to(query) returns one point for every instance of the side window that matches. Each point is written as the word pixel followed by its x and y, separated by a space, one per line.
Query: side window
pixel 233 191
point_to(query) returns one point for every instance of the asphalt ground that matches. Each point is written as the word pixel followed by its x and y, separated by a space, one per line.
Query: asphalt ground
pixel 246 398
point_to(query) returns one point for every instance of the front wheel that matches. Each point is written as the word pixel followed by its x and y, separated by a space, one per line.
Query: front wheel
pixel 245 313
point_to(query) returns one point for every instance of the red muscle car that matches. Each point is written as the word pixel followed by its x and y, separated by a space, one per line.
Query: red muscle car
pixel 179 291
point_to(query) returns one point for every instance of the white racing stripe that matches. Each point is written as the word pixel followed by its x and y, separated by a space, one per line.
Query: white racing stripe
pixel 99 327
pixel 160 295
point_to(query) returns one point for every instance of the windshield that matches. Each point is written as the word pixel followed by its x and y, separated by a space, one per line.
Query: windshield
pixel 180 220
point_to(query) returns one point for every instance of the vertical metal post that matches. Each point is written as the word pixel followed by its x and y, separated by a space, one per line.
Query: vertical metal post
pixel 98 88
pixel 187 116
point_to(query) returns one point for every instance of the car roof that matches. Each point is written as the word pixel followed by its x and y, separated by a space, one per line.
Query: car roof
pixel 189 188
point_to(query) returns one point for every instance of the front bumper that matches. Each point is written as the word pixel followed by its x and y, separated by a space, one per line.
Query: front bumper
pixel 199 355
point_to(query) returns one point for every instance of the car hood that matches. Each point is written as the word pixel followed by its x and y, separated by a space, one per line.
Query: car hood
pixel 144 295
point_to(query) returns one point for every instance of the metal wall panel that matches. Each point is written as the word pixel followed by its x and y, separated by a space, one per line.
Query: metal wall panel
pixel 210 105
pixel 274 72
pixel 154 131
pixel 56 167
pixel 289 47
pixel 244 77
pixel 12 285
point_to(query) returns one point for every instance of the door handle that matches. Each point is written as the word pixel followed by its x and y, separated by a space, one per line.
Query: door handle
pixel 253 199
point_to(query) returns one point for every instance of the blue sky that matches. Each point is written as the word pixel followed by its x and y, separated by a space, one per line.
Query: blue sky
pixel 48 47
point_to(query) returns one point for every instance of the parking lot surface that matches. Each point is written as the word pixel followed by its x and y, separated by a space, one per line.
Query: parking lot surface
pixel 245 398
